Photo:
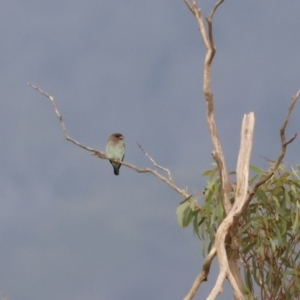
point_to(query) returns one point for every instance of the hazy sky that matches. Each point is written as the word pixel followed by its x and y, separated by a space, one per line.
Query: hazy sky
pixel 71 229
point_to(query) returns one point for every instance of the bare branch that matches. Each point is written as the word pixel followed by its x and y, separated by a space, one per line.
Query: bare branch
pixel 203 275
pixel 214 10
pixel 154 163
pixel 218 152
pixel 241 194
pixel 196 11
pixel 102 155
pixel 242 170
pixel 209 44
pixel 210 29
pixel 227 231
pixel 68 138
pixel 276 164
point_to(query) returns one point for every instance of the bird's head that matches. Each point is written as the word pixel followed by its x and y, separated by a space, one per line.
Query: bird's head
pixel 118 136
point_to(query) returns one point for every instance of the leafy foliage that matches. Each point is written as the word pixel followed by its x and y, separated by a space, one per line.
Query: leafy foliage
pixel 269 230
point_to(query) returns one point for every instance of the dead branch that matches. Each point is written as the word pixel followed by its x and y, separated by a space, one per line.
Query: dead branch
pixel 102 155
pixel 223 230
pixel 60 117
pixel 203 275
pixel 155 164
pixel 227 232
pixel 207 37
pixel 210 47
pixel 217 153
pixel 241 194
pixel 275 165
pixel 210 29
pixel 196 11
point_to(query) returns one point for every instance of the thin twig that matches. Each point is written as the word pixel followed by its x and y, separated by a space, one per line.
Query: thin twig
pixel 196 11
pixel 60 117
pixel 215 9
pixel 210 29
pixel 102 155
pixel 155 163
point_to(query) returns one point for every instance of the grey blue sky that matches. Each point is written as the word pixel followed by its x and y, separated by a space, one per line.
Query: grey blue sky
pixel 69 228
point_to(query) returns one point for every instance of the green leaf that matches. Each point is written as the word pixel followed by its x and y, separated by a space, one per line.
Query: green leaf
pixel 187 217
pixel 261 251
pixel 248 279
pixel 273 246
pixel 284 226
pixel 275 199
pixel 210 173
pixel 278 234
pixel 262 196
pixel 257 170
pixel 247 249
pixel 287 196
pixel 201 220
pixel 181 211
pixel 294 190
pixel 197 222
pixel 256 275
pixel 295 228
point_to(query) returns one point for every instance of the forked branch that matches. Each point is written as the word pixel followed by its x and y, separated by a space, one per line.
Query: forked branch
pixel 228 269
pixel 102 155
pixel 242 171
pixel 207 36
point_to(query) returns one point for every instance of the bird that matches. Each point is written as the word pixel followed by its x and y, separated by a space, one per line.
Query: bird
pixel 115 150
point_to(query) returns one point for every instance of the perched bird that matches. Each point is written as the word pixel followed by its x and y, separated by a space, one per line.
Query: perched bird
pixel 115 149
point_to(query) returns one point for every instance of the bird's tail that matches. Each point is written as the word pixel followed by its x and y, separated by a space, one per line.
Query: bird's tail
pixel 116 171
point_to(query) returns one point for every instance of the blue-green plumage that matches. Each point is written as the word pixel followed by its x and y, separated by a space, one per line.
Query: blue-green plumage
pixel 115 149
